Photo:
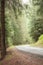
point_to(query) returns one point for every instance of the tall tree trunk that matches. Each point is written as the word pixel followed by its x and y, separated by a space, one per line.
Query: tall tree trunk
pixel 3 47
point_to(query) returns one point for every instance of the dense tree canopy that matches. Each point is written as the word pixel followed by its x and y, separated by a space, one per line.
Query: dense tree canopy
pixel 23 21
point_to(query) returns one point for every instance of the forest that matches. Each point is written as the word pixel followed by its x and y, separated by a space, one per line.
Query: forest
pixel 21 22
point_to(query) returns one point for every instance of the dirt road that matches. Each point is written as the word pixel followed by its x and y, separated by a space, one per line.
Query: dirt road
pixel 16 57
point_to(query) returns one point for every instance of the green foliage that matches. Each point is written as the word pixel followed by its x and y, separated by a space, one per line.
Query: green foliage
pixel 13 34
pixel 24 22
pixel 39 43
pixel 41 37
pixel 36 28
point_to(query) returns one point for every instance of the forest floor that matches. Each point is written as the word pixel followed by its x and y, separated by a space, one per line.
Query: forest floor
pixel 16 57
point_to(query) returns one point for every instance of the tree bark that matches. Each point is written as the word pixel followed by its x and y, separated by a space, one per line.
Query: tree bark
pixel 3 46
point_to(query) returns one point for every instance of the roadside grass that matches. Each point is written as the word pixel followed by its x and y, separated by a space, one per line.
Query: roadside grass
pixel 39 43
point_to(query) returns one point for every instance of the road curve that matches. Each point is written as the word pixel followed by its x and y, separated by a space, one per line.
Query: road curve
pixel 30 49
